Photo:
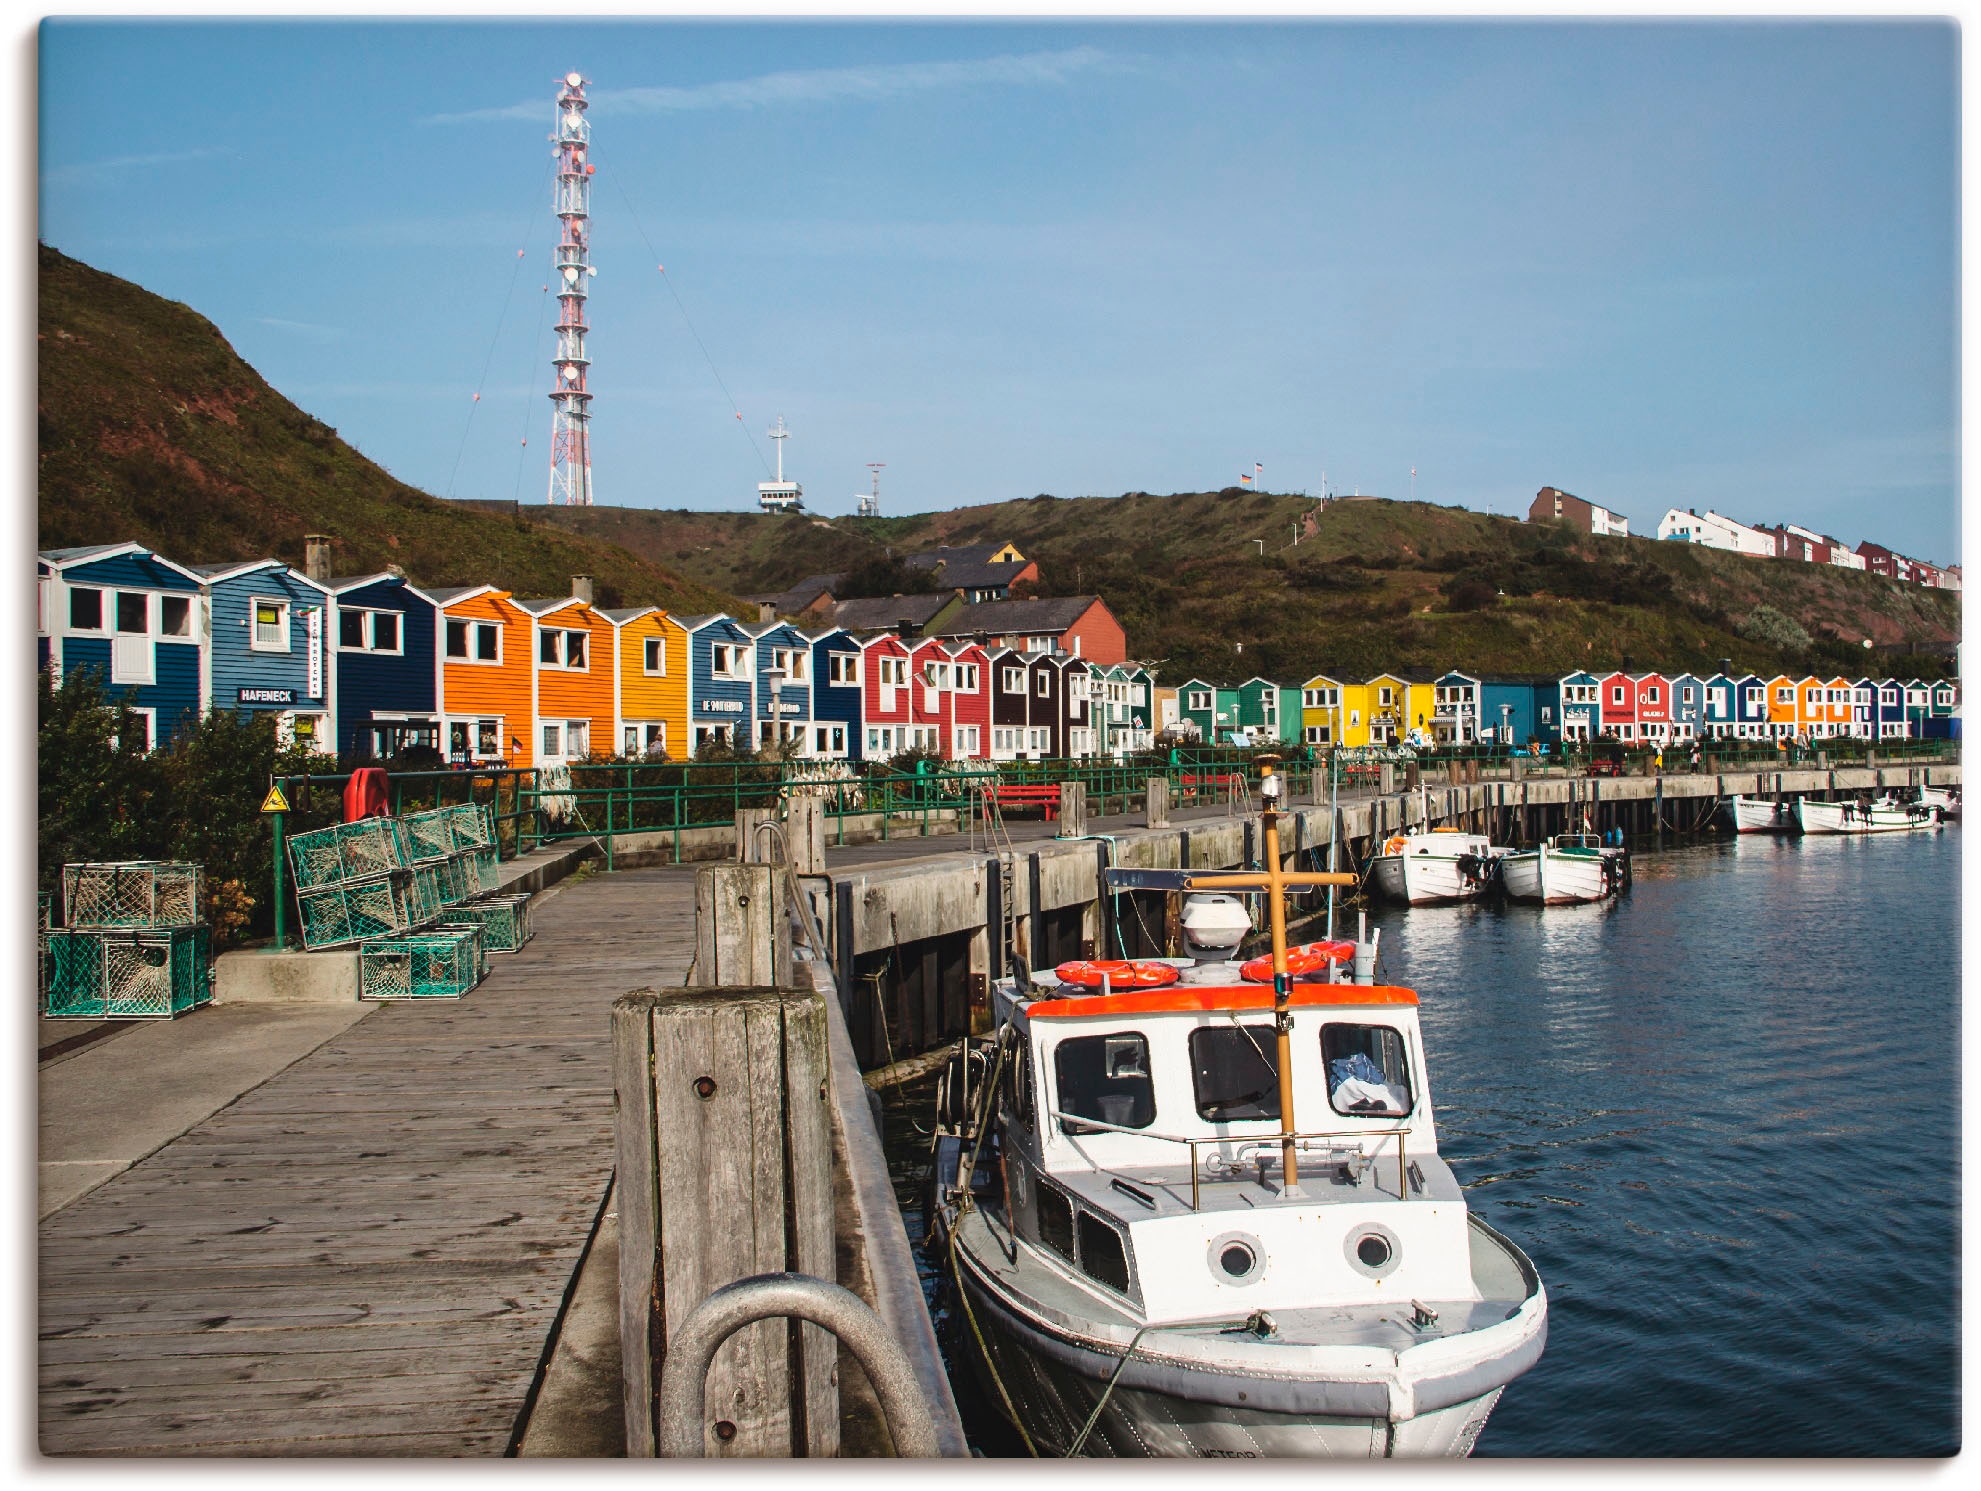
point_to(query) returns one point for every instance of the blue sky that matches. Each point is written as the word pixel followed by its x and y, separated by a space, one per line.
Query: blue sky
pixel 1684 265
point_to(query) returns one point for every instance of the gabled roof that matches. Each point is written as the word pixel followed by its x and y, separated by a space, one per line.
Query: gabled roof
pixel 951 555
pixel 543 605
pixel 696 623
pixel 212 572
pixel 620 615
pixel 802 594
pixel 888 610
pixel 447 595
pixel 1003 618
pixel 90 551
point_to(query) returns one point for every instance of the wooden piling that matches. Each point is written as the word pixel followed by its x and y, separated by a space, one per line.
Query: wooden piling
pixel 1072 810
pixel 742 934
pixel 1156 802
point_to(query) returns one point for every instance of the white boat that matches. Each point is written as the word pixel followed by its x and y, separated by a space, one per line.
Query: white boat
pixel 1443 864
pixel 1945 799
pixel 1852 817
pixel 1140 1274
pixel 1757 815
pixel 1567 869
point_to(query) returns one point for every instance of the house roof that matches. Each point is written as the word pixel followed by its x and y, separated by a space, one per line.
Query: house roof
pixel 883 611
pixel 1004 618
pixel 88 551
pixel 620 615
pixel 958 574
pixel 446 595
pixel 801 595
pixel 950 555
pixel 543 605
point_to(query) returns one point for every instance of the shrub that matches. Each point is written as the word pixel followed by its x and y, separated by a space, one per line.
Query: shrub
pixel 1771 628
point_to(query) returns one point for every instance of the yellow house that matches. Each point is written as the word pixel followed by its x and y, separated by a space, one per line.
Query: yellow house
pixel 650 654
pixel 1323 715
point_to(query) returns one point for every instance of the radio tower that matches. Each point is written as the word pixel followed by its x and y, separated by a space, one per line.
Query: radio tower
pixel 870 504
pixel 570 400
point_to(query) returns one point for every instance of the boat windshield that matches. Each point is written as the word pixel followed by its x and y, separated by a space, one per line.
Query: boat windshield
pixel 1368 1073
pixel 1233 1069
pixel 1105 1077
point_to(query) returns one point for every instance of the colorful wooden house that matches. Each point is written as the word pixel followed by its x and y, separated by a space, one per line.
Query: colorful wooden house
pixel 1455 718
pixel 1651 694
pixel 1688 704
pixel 887 707
pixel 1393 708
pixel 781 649
pixel 1024 705
pixel 487 695
pixel 267 630
pixel 1942 722
pixel 1256 715
pixel 1515 708
pixel 1888 719
pixel 1290 721
pixel 836 694
pixel 651 654
pixel 1839 708
pixel 1918 707
pixel 1199 705
pixel 969 702
pixel 133 617
pixel 576 676
pixel 1783 716
pixel 1618 718
pixel 721 682
pixel 1321 717
pixel 1580 706
pixel 1076 721
pixel 1812 719
pixel 385 666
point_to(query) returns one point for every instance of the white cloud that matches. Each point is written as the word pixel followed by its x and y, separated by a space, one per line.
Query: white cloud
pixel 823 85
pixel 309 329
pixel 90 170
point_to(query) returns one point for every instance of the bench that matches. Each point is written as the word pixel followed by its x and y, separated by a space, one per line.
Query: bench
pixel 1012 794
pixel 1217 781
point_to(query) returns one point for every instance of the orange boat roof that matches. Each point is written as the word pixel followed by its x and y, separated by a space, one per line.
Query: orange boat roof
pixel 1186 999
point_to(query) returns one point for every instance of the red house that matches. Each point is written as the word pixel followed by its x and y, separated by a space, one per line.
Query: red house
pixel 949 707
pixel 1080 625
pixel 1653 703
pixel 1618 696
pixel 886 705
pixel 970 708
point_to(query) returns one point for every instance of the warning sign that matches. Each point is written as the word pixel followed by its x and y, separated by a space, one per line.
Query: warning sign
pixel 275 802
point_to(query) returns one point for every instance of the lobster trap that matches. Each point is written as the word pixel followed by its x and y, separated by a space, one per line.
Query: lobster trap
pixel 505 921
pixel 480 871
pixel 440 964
pixel 154 974
pixel 427 835
pixel 132 893
pixel 345 851
pixel 352 910
pixel 473 825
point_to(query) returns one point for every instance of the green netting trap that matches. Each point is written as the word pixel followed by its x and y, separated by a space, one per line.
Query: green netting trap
pixel 424 965
pixel 505 921
pixel 428 835
pixel 426 894
pixel 356 909
pixel 480 938
pixel 118 975
pixel 473 825
pixel 131 893
pixel 345 851
pixel 480 871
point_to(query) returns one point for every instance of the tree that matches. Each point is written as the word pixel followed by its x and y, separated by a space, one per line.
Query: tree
pixel 98 788
pixel 1771 628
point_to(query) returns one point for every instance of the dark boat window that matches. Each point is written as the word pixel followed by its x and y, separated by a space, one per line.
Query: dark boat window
pixel 1018 1079
pixel 1234 1071
pixel 1105 1077
pixel 1368 1070
pixel 1056 1221
pixel 1102 1256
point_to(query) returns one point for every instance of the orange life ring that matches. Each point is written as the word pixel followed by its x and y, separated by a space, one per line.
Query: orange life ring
pixel 1140 974
pixel 1299 960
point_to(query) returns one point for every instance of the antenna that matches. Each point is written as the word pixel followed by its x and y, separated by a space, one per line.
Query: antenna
pixel 870 503
pixel 780 495
pixel 570 399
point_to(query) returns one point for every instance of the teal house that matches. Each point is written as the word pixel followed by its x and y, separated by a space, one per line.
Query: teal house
pixel 1213 710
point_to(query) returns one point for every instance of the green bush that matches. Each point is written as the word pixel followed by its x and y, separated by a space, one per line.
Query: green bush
pixel 1771 628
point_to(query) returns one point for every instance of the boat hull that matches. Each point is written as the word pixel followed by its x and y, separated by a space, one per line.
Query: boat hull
pixel 1555 877
pixel 1424 879
pixel 1754 815
pixel 1854 818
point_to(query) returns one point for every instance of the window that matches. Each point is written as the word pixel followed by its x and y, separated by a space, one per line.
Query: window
pixel 1045 684
pixel 553 740
pixel 1055 1220
pixel 936 675
pixel 1198 699
pixel 480 641
pixel 562 649
pixel 1547 714
pixel 728 661
pixel 842 667
pixel 368 631
pixel 1012 680
pixel 1616 694
pixel 1367 1071
pixel 577 738
pixel 1888 696
pixel 385 631
pixel 1105 1077
pixel 133 612
pixel 656 732
pixel 1102 1256
pixel 1233 1073
pixel 1945 696
pixel 966 677
pixel 1784 696
pixel 1651 694
pixel 1386 696
pixel 488 738
pixel 794 661
pixel 175 616
pixel 268 625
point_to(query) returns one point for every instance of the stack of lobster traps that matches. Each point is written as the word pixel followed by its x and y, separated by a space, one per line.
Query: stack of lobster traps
pixel 133 946
pixel 415 894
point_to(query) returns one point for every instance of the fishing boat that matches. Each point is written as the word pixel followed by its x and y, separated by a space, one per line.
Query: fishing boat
pixel 1947 800
pixel 1439 864
pixel 1193 1207
pixel 1854 817
pixel 1757 815
pixel 1566 869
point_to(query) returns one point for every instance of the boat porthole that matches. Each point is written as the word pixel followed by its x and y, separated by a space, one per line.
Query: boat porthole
pixel 1373 1250
pixel 1237 1258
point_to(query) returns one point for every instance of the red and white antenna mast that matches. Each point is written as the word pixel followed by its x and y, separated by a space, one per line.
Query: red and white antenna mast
pixel 570 399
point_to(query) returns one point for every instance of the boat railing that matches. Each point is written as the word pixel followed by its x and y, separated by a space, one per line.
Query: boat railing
pixel 1267 1144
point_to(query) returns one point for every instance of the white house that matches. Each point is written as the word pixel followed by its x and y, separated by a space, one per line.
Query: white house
pixel 1715 531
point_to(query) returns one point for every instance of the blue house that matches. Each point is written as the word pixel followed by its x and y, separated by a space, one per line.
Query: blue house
pixel 1515 708
pixel 134 618
pixel 779 647
pixel 267 631
pixel 836 694
pixel 1887 708
pixel 721 681
pixel 1688 705
pixel 385 664
pixel 1580 706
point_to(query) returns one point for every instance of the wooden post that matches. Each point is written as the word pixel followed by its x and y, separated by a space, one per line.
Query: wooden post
pixel 725 1170
pixel 742 933
pixel 804 835
pixel 1156 802
pixel 1386 778
pixel 753 848
pixel 1072 810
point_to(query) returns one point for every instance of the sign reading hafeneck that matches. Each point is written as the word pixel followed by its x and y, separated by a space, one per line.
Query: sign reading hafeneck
pixel 266 696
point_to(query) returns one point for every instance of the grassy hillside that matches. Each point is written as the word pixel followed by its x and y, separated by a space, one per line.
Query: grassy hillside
pixel 1213 582
pixel 152 428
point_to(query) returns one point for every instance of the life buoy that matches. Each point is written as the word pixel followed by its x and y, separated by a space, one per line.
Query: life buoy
pixel 1395 844
pixel 1309 959
pixel 1140 974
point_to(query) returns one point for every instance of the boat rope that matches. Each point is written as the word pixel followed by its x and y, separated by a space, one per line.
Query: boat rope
pixel 983 1349
pixel 1080 1440
pixel 688 321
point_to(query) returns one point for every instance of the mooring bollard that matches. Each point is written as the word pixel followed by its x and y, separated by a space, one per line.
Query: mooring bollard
pixel 1072 810
pixel 804 835
pixel 1156 802
pixel 753 847
pixel 742 934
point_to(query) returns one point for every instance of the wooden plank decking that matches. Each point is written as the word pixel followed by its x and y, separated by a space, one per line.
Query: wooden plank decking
pixel 366 1254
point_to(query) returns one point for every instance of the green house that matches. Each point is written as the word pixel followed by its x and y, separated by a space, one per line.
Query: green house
pixel 1212 709
pixel 1123 709
pixel 1257 716
pixel 1289 716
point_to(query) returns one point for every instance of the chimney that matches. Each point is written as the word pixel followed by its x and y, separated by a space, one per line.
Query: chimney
pixel 581 588
pixel 316 557
pixel 907 627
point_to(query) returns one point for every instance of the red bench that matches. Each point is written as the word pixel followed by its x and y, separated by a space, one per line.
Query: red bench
pixel 1217 781
pixel 1042 795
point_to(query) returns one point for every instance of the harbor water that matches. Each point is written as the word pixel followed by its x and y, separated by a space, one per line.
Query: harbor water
pixel 1721 1115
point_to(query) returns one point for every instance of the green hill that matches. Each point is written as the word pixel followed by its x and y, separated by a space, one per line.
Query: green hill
pixel 1213 583
pixel 153 429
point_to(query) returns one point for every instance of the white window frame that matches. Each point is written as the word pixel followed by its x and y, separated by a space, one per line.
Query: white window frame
pixel 843 668
pixel 560 639
pixel 102 616
pixel 651 648
pixel 255 642
pixel 187 631
pixel 1045 685
pixel 368 624
pixel 553 738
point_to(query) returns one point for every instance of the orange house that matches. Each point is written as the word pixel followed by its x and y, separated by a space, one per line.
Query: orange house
pixel 651 654
pixel 1783 719
pixel 574 669
pixel 487 681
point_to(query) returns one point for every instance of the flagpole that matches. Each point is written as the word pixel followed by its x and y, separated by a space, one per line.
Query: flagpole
pixel 1269 790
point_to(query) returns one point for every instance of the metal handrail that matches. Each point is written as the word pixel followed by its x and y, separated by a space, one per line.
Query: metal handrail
pixel 1273 1138
pixel 693 1344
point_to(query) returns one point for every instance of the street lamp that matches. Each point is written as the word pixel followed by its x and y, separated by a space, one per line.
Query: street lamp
pixel 777 677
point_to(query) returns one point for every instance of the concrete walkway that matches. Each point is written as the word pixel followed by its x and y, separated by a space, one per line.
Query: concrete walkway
pixel 367 1250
